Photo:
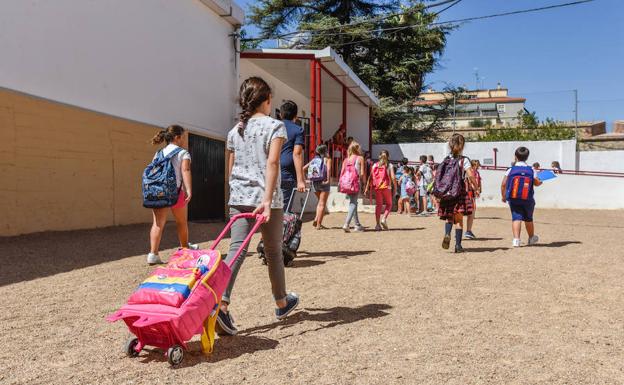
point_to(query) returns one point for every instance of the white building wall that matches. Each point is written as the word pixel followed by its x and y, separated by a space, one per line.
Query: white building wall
pixel 564 192
pixel 154 61
pixel 612 161
pixel 281 91
pixel 358 122
pixel 543 152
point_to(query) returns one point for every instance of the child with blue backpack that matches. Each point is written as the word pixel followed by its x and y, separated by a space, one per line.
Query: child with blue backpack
pixel 167 186
pixel 517 189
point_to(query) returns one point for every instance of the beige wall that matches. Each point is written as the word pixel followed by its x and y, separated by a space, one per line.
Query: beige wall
pixel 67 168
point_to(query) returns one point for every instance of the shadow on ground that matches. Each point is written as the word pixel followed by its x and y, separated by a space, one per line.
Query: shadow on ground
pixel 324 318
pixel 334 254
pixel 39 255
pixel 558 244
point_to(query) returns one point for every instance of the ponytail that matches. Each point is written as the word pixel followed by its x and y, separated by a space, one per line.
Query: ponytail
pixel 383 158
pixel 168 134
pixel 253 92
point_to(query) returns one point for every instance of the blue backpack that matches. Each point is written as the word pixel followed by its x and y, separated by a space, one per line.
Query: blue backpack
pixel 520 184
pixel 317 172
pixel 160 188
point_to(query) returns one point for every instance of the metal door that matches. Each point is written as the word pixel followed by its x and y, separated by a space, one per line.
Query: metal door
pixel 208 172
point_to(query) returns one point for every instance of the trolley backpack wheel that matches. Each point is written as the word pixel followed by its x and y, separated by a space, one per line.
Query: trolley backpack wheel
pixel 175 355
pixel 130 345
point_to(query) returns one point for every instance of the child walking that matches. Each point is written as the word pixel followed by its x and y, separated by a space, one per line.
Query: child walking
pixel 173 136
pixel 381 180
pixel 473 194
pixel 253 151
pixel 406 181
pixel 321 187
pixel 517 190
pixel 426 177
pixel 452 210
pixel 356 160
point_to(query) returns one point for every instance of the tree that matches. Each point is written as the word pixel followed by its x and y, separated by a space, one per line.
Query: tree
pixel 389 46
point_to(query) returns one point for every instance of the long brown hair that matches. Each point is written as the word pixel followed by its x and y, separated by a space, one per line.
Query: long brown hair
pixel 383 158
pixel 168 134
pixel 456 144
pixel 253 92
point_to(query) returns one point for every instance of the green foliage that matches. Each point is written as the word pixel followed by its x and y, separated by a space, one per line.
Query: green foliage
pixel 544 132
pixel 527 119
pixel 477 123
pixel 246 44
pixel 393 63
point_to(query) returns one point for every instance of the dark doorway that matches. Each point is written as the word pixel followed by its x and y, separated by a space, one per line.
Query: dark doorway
pixel 208 172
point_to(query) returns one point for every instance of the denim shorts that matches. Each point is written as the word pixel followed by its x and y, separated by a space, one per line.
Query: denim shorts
pixel 522 211
pixel 321 187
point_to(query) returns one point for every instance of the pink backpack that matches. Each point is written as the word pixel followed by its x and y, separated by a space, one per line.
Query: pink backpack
pixel 349 182
pixel 380 176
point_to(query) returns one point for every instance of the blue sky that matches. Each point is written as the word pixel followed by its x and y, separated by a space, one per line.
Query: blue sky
pixel 541 56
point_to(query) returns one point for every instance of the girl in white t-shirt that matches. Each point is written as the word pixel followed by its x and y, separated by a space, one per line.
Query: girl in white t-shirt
pixel 174 137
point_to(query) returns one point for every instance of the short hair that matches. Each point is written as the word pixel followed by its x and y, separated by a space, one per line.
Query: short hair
pixel 536 165
pixel 522 154
pixel 321 150
pixel 423 159
pixel 288 110
pixel 404 161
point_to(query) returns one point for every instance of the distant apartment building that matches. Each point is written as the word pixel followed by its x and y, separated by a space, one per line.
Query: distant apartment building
pixel 473 108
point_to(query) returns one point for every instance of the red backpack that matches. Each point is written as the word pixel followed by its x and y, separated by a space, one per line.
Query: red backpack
pixel 349 182
pixel 380 176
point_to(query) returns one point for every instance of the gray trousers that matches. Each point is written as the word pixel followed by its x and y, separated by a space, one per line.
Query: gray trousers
pixel 353 214
pixel 272 233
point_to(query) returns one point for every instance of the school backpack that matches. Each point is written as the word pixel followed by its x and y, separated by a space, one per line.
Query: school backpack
pixel 449 180
pixel 520 184
pixel 317 172
pixel 349 182
pixel 410 187
pixel 380 176
pixel 160 188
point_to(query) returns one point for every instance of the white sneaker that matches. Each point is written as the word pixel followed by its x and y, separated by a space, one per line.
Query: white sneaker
pixel 154 259
pixel 533 240
pixel 384 224
pixel 346 228
pixel 193 246
pixel 516 243
pixel 358 229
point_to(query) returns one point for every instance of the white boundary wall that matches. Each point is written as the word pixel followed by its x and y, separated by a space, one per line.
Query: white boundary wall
pixel 543 152
pixel 564 192
pixel 153 61
pixel 611 160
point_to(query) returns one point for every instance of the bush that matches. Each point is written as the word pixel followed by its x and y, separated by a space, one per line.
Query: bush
pixel 544 132
pixel 477 123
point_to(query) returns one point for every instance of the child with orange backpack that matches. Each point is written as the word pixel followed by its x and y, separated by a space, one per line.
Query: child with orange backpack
pixel 382 180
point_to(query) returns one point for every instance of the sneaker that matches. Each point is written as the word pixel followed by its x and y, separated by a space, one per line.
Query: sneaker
pixel 470 235
pixel 358 229
pixel 446 242
pixel 384 224
pixel 346 228
pixel 377 228
pixel 314 223
pixel 533 240
pixel 225 324
pixel 292 301
pixel 193 246
pixel 459 249
pixel 515 243
pixel 154 259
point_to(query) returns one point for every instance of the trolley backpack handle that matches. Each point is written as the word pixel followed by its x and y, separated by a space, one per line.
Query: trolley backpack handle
pixel 259 220
pixel 305 203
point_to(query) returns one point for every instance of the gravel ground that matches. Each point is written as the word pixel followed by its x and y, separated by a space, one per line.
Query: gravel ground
pixel 377 308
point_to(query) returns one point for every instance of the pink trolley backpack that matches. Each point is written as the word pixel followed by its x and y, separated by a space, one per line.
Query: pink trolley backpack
pixel 181 300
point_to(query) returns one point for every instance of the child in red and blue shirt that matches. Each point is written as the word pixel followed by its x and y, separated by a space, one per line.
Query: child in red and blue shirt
pixel 517 190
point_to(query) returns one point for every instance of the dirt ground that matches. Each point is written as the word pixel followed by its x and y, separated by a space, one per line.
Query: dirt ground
pixel 376 308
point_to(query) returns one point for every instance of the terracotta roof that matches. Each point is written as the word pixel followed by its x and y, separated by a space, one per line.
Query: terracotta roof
pixel 472 101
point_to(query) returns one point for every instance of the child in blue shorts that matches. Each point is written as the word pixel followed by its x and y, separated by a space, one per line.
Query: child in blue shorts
pixel 517 190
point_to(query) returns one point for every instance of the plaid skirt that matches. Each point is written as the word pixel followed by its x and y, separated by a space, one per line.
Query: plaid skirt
pixel 463 205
